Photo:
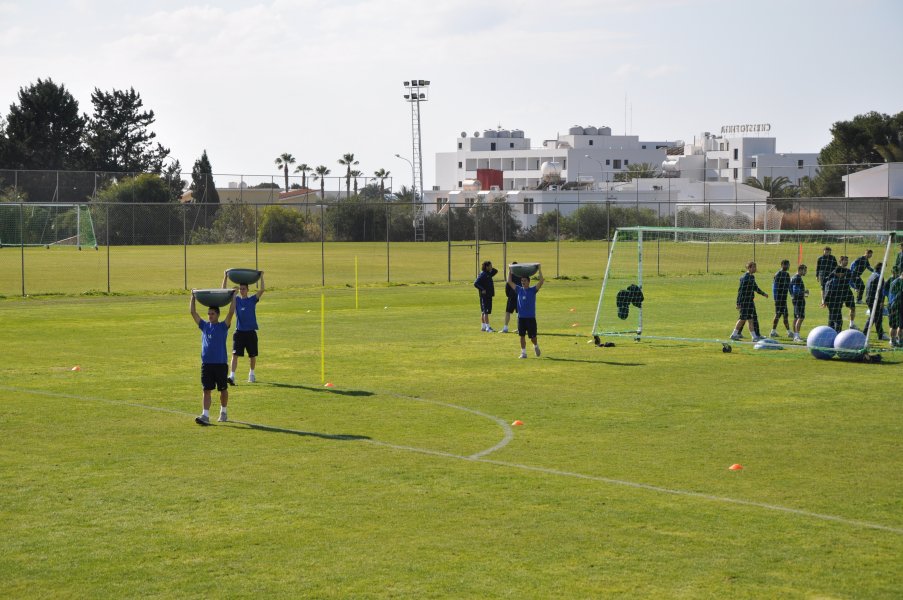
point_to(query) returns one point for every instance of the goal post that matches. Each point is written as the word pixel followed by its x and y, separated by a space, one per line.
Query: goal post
pixel 56 224
pixel 684 284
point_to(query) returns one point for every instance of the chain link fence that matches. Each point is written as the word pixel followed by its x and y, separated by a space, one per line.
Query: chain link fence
pixel 112 248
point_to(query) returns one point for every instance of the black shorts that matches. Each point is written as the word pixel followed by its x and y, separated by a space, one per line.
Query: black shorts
pixel 799 310
pixel 748 312
pixel 511 305
pixel 893 315
pixel 214 377
pixel 526 326
pixel 780 308
pixel 485 304
pixel 244 340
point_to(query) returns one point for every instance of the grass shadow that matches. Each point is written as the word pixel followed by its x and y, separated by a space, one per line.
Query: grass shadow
pixel 342 437
pixel 596 362
pixel 325 390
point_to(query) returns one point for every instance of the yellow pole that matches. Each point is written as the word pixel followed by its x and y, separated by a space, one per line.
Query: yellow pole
pixel 355 283
pixel 322 337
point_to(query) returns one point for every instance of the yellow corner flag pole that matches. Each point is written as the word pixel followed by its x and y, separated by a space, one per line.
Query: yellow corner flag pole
pixel 355 284
pixel 322 337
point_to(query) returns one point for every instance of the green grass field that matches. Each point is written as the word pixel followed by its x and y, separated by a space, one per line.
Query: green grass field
pixel 407 479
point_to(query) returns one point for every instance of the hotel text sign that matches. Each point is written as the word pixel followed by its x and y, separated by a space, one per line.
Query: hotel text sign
pixel 748 128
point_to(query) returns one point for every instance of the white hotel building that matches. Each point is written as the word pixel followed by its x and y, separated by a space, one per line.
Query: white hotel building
pixel 580 167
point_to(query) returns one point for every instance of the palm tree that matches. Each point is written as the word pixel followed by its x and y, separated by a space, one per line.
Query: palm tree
pixel 283 161
pixel 321 172
pixel 637 171
pixel 779 187
pixel 382 175
pixel 356 174
pixel 348 161
pixel 304 169
pixel 890 152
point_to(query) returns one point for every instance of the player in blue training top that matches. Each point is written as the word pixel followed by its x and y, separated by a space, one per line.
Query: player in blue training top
pixel 780 287
pixel 245 336
pixel 484 284
pixel 798 293
pixel 860 266
pixel 526 310
pixel 214 360
pixel 746 304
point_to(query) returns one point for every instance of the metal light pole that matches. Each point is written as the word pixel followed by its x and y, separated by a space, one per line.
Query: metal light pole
pixel 416 91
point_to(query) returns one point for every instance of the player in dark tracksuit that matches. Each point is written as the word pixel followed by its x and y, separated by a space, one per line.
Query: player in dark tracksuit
pixel 837 288
pixel 860 266
pixel 484 284
pixel 746 303
pixel 824 267
pixel 875 290
pixel 780 287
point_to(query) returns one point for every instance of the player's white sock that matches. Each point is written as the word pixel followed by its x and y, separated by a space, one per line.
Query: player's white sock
pixel 206 413
pixel 251 373
pixel 232 375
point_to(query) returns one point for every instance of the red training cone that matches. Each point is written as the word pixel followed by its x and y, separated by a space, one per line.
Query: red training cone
pixel 76 368
pixel 518 423
pixel 329 384
pixel 735 467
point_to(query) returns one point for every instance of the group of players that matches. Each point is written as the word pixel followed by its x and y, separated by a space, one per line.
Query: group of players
pixel 838 280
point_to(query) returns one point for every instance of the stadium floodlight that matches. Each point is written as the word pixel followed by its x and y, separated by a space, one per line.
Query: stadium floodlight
pixel 416 92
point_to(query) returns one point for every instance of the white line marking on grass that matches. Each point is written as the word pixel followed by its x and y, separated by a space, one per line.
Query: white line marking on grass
pixel 479 458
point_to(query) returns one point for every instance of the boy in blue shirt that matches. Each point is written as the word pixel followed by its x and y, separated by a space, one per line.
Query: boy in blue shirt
pixel 874 298
pixel 214 359
pixel 798 293
pixel 526 310
pixel 245 336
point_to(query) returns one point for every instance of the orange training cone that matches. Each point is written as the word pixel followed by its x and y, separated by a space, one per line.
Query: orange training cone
pixel 573 310
pixel 518 423
pixel 573 324
pixel 76 368
pixel 329 384
pixel 735 467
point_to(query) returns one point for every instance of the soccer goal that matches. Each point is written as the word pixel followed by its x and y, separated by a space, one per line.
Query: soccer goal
pixel 683 284
pixel 47 225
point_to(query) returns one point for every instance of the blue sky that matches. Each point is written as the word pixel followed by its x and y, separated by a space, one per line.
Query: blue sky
pixel 248 81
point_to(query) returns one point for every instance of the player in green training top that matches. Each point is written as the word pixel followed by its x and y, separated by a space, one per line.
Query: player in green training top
pixel 746 304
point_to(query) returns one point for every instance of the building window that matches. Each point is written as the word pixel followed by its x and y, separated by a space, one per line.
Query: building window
pixel 644 147
pixel 799 164
pixel 459 184
pixel 528 206
pixel 626 162
pixel 460 145
pixel 735 173
pixel 753 164
pixel 492 146
pixel 460 164
pixel 468 202
pixel 564 163
pixel 607 161
pixel 440 202
pixel 617 164
pixel 590 142
pixel 721 146
pixel 511 144
pixel 736 153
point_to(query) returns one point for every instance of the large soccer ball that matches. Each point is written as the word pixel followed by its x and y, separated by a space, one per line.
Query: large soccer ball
pixel 819 339
pixel 850 344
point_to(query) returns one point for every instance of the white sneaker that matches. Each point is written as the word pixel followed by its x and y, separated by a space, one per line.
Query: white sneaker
pixel 757 338
pixel 885 338
pixel 853 326
pixel 490 330
pixel 251 378
pixel 736 336
pixel 523 355
pixel 222 417
pixel 773 334
pixel 536 350
pixel 505 329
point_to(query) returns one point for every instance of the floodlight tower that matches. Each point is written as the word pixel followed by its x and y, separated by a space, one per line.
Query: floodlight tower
pixel 417 91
